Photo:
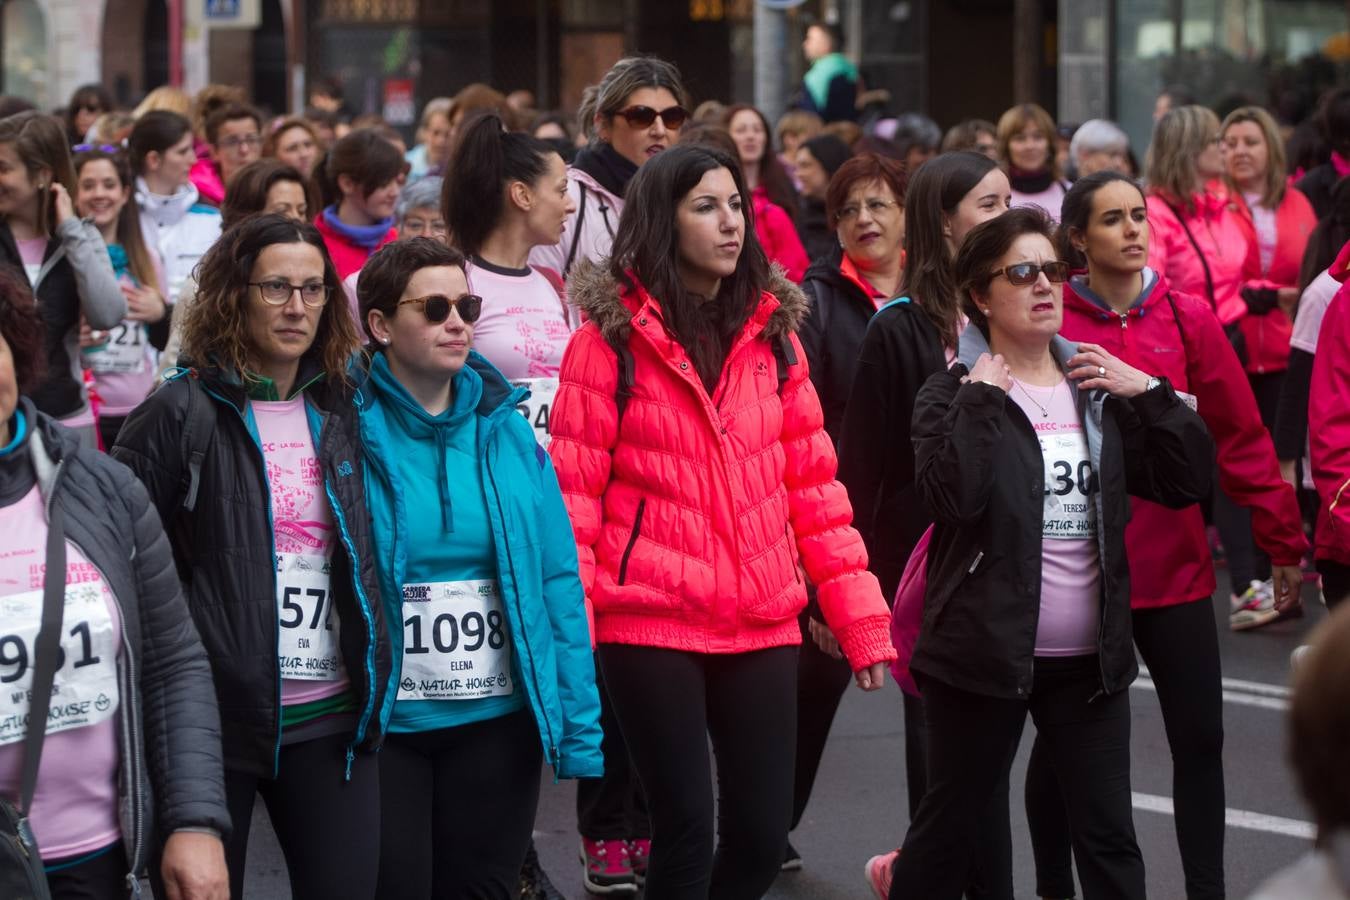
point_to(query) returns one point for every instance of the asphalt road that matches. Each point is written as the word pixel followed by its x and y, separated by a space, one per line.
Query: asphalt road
pixel 859 804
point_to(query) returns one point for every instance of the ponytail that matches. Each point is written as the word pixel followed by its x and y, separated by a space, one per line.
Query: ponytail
pixel 486 159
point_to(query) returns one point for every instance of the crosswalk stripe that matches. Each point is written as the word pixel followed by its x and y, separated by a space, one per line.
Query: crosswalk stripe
pixel 1234 818
pixel 1236 691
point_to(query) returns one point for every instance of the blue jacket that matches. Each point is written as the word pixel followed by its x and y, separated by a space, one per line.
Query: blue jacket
pixel 536 568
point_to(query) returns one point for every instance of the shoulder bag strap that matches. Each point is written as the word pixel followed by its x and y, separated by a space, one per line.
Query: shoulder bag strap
pixel 45 652
pixel 1204 263
pixel 576 231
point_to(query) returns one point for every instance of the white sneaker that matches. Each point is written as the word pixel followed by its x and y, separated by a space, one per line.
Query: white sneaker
pixel 1256 607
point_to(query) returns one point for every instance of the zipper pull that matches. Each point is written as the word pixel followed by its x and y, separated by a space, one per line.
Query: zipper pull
pixel 1124 320
pixel 976 564
pixel 351 757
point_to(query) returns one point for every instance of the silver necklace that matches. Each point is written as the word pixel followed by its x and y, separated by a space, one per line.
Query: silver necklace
pixel 1045 411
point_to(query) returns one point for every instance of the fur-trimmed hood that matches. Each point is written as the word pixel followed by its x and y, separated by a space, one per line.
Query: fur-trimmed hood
pixel 594 291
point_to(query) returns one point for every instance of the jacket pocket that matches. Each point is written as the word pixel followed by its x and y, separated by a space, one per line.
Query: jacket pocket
pixel 632 539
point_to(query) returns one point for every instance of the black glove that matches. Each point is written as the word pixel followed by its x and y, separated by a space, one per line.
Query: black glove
pixel 1260 300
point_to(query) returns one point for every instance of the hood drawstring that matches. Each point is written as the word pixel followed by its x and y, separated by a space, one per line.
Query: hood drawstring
pixel 443 481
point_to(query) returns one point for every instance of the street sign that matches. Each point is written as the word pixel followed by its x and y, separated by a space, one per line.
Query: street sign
pixel 211 14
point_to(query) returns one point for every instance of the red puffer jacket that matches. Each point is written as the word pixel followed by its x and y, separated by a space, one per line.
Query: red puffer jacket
pixel 1268 335
pixel 691 517
pixel 1329 431
pixel 1168 553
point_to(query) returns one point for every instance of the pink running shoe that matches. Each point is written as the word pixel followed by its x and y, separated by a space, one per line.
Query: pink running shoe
pixel 639 849
pixel 606 868
pixel 878 873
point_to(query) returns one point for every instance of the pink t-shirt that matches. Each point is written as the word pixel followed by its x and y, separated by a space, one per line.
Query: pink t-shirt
pixel 523 329
pixel 75 804
pixel 302 532
pixel 1070 572
pixel 124 367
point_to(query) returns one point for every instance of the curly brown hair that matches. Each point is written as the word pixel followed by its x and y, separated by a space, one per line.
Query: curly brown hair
pixel 215 327
pixel 22 329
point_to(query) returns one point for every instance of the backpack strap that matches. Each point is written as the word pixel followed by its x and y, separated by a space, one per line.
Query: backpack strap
pixel 786 356
pixel 576 231
pixel 198 431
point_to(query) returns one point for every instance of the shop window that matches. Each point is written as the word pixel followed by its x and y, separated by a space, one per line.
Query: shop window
pixel 25 52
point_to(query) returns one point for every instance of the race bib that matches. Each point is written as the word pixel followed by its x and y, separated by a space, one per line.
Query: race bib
pixel 85 691
pixel 455 645
pixel 308 648
pixel 536 407
pixel 125 351
pixel 1069 512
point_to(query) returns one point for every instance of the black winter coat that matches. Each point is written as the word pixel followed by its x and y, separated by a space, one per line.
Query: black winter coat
pixel 1317 185
pixel 832 334
pixel 980 469
pixel 224 552
pixel 900 350
pixel 171 776
pixel 818 238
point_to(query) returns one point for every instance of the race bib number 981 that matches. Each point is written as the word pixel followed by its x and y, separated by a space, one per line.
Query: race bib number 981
pixel 85 691
pixel 455 642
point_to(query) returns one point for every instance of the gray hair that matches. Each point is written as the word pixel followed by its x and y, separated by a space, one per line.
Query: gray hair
pixel 1096 136
pixel 416 194
pixel 627 75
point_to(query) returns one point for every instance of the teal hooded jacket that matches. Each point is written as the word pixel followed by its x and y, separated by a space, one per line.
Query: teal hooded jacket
pixel 536 563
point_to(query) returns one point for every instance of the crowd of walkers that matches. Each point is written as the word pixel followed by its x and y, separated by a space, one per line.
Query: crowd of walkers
pixel 623 444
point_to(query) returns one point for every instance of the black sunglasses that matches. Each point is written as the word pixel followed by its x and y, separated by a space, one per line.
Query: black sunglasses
pixel 643 116
pixel 1022 274
pixel 436 307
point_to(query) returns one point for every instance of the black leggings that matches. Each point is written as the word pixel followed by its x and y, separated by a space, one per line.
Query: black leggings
pixel 98 876
pixel 328 827
pixel 1246 561
pixel 1180 646
pixel 458 809
pixel 972 740
pixel 612 807
pixel 1335 581
pixel 669 703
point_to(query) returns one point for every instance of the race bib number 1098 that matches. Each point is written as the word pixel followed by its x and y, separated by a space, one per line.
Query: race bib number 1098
pixel 455 642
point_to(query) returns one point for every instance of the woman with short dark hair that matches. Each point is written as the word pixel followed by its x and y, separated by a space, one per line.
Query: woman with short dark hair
pixel 252 449
pixel 1026 451
pixel 493 670
pixel 360 177
pixel 699 477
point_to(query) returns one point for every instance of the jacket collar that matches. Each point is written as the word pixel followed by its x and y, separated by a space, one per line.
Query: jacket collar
pixel 596 292
pixel 166 211
pixel 1078 293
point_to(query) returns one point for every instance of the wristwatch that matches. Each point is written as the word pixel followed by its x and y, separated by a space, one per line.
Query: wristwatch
pixel 1153 381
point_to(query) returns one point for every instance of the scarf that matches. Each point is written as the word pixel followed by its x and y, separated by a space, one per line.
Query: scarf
pixel 367 236
pixel 610 169
pixel 1030 182
pixel 825 70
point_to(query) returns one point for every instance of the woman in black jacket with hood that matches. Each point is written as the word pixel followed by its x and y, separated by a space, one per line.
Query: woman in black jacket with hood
pixel 1025 452
pixel 253 454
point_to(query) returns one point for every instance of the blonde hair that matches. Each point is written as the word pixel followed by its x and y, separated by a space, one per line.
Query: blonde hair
pixel 167 98
pixel 1011 124
pixel 1272 193
pixel 801 122
pixel 1178 140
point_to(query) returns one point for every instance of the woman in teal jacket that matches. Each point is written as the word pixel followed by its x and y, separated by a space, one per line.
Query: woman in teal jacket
pixel 475 557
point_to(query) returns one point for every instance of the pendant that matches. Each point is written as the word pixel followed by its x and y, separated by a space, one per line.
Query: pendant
pixel 1045 414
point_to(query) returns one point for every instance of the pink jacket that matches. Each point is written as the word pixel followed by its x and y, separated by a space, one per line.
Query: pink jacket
pixel 1223 238
pixel 205 177
pixel 347 257
pixel 778 236
pixel 1329 415
pixel 595 236
pixel 1268 335
pixel 694 515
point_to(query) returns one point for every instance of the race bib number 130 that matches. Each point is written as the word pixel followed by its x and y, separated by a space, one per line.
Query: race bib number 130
pixel 455 642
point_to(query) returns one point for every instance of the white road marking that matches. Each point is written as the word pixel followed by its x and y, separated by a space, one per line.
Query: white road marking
pixel 1235 818
pixel 1235 690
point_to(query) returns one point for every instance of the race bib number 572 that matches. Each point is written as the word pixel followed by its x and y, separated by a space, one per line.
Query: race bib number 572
pixel 455 642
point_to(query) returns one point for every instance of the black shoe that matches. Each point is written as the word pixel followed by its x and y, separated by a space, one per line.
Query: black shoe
pixel 792 860
pixel 534 882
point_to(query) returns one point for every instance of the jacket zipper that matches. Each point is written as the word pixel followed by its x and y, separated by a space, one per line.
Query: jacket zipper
pixel 632 539
pixel 554 757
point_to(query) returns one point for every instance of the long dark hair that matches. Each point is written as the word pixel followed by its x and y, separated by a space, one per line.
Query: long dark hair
pixel 129 219
pixel 777 185
pixel 247 191
pixel 646 249
pixel 934 191
pixel 1327 239
pixel 155 132
pixel 486 159
pixel 1076 212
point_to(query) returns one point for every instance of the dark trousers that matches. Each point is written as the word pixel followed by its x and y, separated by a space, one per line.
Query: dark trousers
pixel 458 809
pixel 95 876
pixel 669 703
pixel 972 740
pixel 1335 581
pixel 328 827
pixel 821 682
pixel 612 807
pixel 1246 562
pixel 1180 646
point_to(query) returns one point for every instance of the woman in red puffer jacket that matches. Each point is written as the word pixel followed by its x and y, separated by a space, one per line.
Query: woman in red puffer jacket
pixel 1138 316
pixel 699 484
